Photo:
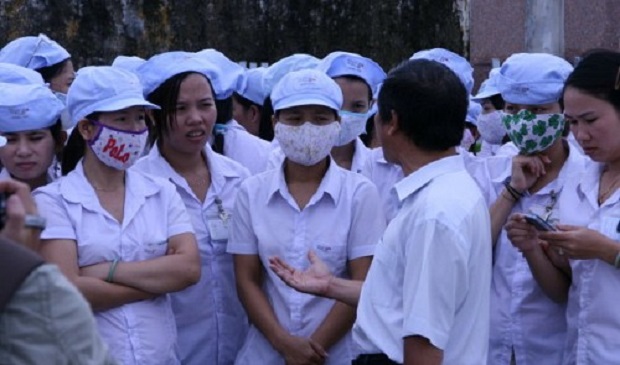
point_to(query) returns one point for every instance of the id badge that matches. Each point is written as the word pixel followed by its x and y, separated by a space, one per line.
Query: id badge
pixel 218 229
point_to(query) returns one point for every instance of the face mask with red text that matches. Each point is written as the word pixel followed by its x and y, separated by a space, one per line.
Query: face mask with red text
pixel 117 148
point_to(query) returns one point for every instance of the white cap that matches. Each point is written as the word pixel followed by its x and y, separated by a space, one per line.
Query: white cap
pixel 295 62
pixel 338 64
pixel 159 68
pixel 533 78
pixel 27 107
pixel 129 63
pixel 253 89
pixel 232 75
pixel 473 112
pixel 13 74
pixel 489 86
pixel 459 65
pixel 306 87
pixel 33 52
pixel 104 89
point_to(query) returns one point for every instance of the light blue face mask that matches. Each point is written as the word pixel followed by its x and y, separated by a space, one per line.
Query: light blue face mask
pixel 351 126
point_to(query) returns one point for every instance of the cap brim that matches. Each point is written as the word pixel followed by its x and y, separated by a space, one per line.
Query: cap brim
pixel 307 101
pixel 484 95
pixel 124 104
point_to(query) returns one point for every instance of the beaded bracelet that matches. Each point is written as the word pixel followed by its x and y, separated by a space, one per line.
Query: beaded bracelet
pixel 512 191
pixel 111 272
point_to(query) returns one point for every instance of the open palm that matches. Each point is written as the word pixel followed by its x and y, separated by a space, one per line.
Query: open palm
pixel 315 280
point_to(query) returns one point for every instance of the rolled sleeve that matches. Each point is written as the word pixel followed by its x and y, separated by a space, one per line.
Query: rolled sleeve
pixel 242 240
pixel 435 282
pixel 51 207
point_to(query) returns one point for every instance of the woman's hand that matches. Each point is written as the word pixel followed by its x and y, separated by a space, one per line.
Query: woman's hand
pixel 526 170
pixel 581 243
pixel 303 351
pixel 315 280
pixel 522 234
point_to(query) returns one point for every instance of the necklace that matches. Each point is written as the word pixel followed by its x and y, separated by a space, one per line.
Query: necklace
pixel 602 196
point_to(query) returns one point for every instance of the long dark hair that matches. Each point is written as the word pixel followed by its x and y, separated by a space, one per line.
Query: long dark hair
pixel 598 75
pixel 49 72
pixel 75 148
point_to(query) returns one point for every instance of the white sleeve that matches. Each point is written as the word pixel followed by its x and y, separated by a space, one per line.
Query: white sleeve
pixel 241 237
pixel 435 281
pixel 368 221
pixel 50 206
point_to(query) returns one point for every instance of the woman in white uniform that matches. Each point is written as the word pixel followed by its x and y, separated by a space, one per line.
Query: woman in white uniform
pixel 589 225
pixel 308 203
pixel 211 322
pixel 30 123
pixel 527 326
pixel 123 238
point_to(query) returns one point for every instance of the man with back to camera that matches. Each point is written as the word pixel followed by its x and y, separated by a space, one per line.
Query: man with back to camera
pixel 425 299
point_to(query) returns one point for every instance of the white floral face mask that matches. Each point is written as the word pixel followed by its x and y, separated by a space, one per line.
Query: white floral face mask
pixel 491 127
pixel 533 133
pixel 307 144
pixel 117 148
pixel 351 126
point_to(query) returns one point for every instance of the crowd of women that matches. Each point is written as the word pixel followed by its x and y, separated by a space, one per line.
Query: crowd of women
pixel 168 184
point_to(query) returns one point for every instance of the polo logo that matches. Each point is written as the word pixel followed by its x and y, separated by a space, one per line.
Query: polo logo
pixel 115 151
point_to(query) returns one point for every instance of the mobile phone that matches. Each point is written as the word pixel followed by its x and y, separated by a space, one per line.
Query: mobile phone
pixel 539 223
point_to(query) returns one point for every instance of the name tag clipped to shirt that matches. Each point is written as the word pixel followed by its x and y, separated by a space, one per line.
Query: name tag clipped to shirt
pixel 218 227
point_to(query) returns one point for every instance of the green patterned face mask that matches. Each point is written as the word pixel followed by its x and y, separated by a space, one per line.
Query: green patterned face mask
pixel 533 133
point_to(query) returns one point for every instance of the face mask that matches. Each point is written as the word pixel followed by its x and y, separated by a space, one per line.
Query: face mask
pixel 64 116
pixel 533 133
pixel 308 143
pixel 491 127
pixel 117 148
pixel 351 126
pixel 468 139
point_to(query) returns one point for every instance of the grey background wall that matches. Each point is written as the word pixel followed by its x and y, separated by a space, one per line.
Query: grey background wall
pixel 95 31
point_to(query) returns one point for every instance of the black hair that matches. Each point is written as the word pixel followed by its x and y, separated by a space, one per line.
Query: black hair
pixel 166 96
pixel 49 72
pixel 357 78
pixel 224 115
pixel 75 148
pixel 497 101
pixel 598 75
pixel 430 102
pixel 265 126
pixel 370 129
pixel 57 135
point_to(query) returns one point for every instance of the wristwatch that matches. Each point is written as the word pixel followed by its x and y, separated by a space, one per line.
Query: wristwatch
pixel 34 221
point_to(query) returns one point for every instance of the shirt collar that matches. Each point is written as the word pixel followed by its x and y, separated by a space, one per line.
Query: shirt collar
pixel 423 176
pixel 329 184
pixel 75 188
pixel 218 168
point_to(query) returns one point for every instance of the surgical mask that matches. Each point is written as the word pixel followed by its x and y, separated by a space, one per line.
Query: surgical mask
pixel 351 126
pixel 117 148
pixel 533 133
pixel 307 144
pixel 65 120
pixel 468 139
pixel 491 127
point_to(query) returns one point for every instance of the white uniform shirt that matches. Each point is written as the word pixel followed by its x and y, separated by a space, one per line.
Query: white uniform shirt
pixel 341 222
pixel 488 149
pixel 384 175
pixel 245 148
pixel 211 322
pixel 360 157
pixel 523 318
pixel 593 318
pixel 431 273
pixel 137 333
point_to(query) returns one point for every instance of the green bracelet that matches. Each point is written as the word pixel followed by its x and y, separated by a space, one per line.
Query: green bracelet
pixel 617 261
pixel 111 272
